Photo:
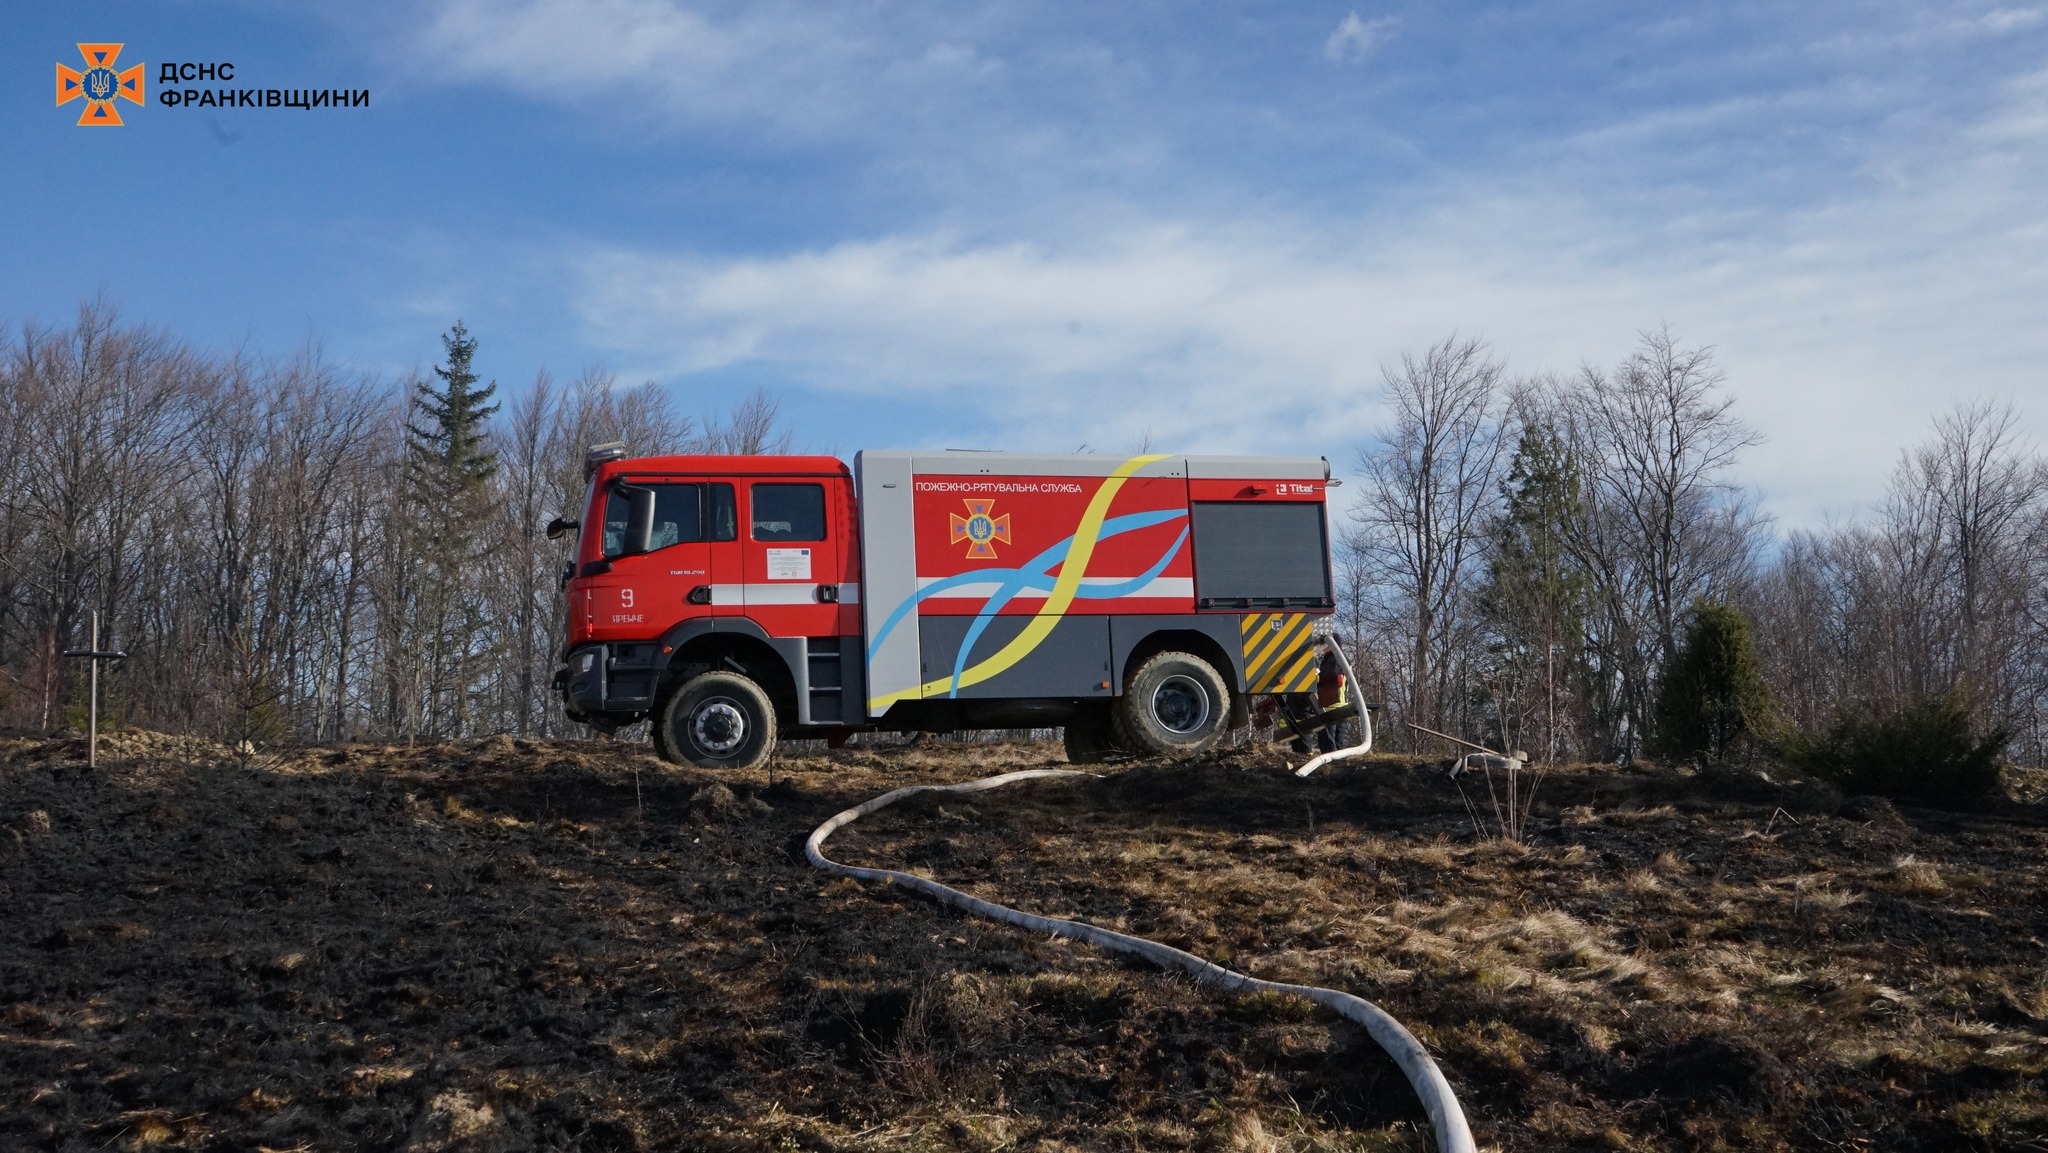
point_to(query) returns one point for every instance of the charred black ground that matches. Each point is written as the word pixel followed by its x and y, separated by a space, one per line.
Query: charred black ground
pixel 541 946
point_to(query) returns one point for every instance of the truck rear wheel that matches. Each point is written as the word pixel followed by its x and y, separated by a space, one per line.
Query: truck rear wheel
pixel 1088 735
pixel 717 720
pixel 1175 706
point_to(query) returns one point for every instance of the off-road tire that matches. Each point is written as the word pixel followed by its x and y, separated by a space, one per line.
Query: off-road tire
pixel 1088 735
pixel 717 720
pixel 657 733
pixel 1176 705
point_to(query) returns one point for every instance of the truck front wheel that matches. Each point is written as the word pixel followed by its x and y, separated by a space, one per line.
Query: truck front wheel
pixel 1176 705
pixel 717 720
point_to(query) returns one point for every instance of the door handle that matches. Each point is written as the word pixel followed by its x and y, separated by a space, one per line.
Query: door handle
pixel 828 594
pixel 701 595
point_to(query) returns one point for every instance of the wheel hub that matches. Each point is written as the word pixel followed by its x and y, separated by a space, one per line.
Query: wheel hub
pixel 1180 705
pixel 719 726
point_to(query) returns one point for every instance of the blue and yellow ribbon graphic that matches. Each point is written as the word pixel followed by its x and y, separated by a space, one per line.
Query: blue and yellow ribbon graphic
pixel 1071 554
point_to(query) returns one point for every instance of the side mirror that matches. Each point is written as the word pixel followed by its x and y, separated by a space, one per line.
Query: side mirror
pixel 639 519
pixel 559 528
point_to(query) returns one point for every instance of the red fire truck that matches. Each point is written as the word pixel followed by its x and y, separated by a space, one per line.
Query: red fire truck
pixel 1138 601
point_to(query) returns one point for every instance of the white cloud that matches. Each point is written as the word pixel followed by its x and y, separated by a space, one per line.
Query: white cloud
pixel 800 71
pixel 1864 244
pixel 2006 19
pixel 1355 39
pixel 1843 328
pixel 951 98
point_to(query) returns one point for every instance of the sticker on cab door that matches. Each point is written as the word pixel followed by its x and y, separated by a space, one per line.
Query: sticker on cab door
pixel 789 564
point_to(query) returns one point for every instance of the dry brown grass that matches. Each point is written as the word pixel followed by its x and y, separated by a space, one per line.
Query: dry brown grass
pixel 510 945
pixel 1914 877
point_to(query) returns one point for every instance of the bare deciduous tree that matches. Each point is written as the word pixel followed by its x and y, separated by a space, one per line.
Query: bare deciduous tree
pixel 1660 523
pixel 753 426
pixel 247 530
pixel 1429 487
pixel 1940 591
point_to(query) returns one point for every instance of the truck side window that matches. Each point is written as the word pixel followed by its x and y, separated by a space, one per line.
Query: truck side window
pixel 789 512
pixel 678 517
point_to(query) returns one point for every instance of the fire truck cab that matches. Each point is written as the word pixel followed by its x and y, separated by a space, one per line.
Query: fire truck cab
pixel 1138 601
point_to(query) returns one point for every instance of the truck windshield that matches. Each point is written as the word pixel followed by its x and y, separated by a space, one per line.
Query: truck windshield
pixel 683 514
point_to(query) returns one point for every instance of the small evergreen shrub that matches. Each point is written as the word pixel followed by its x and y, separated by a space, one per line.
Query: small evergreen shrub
pixel 1713 700
pixel 1926 751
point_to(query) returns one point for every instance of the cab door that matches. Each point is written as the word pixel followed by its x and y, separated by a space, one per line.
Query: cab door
pixel 795 558
pixel 639 589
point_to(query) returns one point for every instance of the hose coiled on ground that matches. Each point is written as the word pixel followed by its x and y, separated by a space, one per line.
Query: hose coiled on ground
pixel 1453 1135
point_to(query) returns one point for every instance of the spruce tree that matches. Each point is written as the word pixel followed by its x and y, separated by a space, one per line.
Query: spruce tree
pixel 1534 596
pixel 450 449
pixel 1713 698
pixel 448 473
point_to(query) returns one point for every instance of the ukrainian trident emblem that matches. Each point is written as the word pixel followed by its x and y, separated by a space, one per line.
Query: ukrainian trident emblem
pixel 980 529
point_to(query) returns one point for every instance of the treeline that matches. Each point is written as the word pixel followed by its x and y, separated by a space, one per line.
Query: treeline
pixel 1528 555
pixel 288 551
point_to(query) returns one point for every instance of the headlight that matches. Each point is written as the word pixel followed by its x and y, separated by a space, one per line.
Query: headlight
pixel 586 662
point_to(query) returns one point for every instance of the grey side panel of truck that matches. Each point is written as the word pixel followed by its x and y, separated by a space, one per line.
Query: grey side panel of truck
pixel 1072 661
pixel 888 572
pixel 1257 468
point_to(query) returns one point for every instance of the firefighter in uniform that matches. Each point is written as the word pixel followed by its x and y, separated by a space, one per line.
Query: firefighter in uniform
pixel 1332 692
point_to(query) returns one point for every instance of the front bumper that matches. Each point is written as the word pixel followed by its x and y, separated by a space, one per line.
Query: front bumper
pixel 613 683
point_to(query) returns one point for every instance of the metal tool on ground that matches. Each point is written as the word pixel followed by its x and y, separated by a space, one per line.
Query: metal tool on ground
pixel 1446 1117
pixel 94 656
pixel 1512 818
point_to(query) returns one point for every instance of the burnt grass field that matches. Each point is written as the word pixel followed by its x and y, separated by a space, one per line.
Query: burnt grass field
pixel 513 945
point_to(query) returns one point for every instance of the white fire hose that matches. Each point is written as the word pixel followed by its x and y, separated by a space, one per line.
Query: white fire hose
pixel 1453 1135
pixel 1364 719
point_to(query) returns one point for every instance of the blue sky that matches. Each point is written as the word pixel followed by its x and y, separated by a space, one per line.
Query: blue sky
pixel 1035 226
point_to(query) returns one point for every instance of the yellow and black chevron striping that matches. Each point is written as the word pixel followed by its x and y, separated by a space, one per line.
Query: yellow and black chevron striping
pixel 1279 652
